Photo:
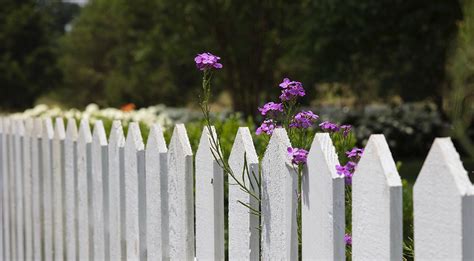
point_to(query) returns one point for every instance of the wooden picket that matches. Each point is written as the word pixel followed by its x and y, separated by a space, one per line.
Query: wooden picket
pixel 76 195
pixel 323 212
pixel 180 196
pixel 443 200
pixel 156 194
pixel 70 186
pixel 58 189
pixel 244 233
pixel 116 195
pixel 279 197
pixel 84 141
pixel 134 162
pixel 209 200
pixel 377 204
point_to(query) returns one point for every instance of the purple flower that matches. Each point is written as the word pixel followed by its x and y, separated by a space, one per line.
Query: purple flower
pixel 355 153
pixel 270 106
pixel 304 120
pixel 346 130
pixel 267 127
pixel 291 89
pixel 348 239
pixel 347 171
pixel 329 126
pixel 206 61
pixel 298 156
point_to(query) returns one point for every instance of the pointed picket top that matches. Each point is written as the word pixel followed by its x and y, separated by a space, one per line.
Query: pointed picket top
pixel 59 131
pixel 37 128
pixel 323 212
pixel 180 196
pixel 84 135
pixel 20 127
pixel 180 141
pixel 443 199
pixel 134 137
pixel 116 138
pixel 205 149
pixel 156 194
pixel 116 191
pixel 98 135
pixel 244 236
pixel 376 204
pixel 133 151
pixel 279 202
pixel 156 139
pixel 71 130
pixel 48 130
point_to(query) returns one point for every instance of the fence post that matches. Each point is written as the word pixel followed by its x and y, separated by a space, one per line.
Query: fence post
pixel 58 172
pixel 27 188
pixel 99 178
pixel 5 190
pixel 70 182
pixel 12 188
pixel 209 200
pixel 134 158
pixel 83 188
pixel 443 198
pixel 377 204
pixel 244 233
pixel 180 196
pixel 279 201
pixel 36 178
pixel 116 192
pixel 19 137
pixel 156 194
pixel 323 213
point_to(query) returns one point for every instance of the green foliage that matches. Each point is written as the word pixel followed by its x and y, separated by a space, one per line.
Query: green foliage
pixel 27 57
pixel 459 102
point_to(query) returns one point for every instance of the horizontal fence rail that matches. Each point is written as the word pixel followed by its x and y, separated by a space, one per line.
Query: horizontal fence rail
pixel 71 193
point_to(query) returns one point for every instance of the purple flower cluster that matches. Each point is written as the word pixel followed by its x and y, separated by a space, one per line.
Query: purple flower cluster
pixel 298 156
pixel 348 170
pixel 267 127
pixel 269 107
pixel 346 129
pixel 355 153
pixel 348 239
pixel 291 90
pixel 304 120
pixel 329 126
pixel 206 61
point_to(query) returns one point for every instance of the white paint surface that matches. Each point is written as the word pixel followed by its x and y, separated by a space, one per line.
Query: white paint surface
pixel 47 178
pixel 27 188
pixel 279 201
pixel 70 185
pixel 443 203
pixel 5 189
pixel 323 213
pixel 209 200
pixel 376 205
pixel 116 191
pixel 156 194
pixel 133 146
pixel 99 176
pixel 84 218
pixel 37 170
pixel 19 133
pixel 244 236
pixel 58 175
pixel 180 196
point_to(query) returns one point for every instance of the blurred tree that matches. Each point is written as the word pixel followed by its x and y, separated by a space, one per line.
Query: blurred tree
pixel 142 52
pixel 459 93
pixel 27 51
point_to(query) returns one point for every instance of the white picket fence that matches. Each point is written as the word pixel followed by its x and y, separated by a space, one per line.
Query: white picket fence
pixel 69 194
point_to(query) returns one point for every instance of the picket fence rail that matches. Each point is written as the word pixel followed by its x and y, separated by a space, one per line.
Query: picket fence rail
pixel 72 194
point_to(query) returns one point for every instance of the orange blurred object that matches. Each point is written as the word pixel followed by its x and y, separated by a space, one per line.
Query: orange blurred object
pixel 128 107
